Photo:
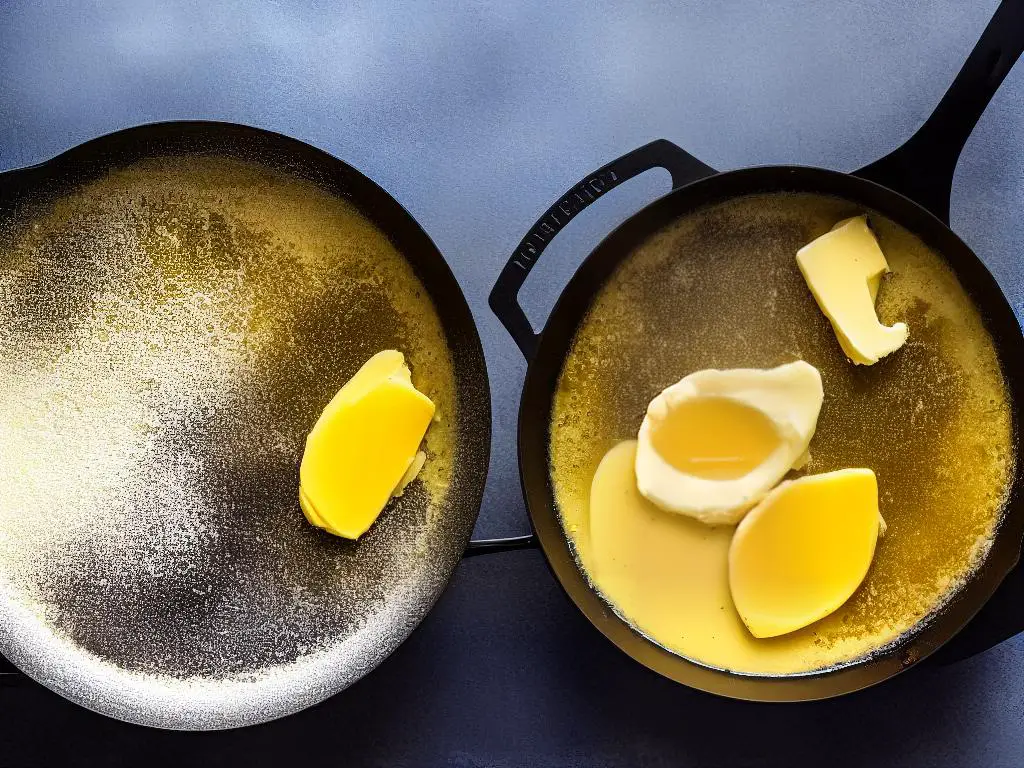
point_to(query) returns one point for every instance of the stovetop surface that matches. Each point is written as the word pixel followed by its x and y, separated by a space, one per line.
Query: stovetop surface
pixel 476 118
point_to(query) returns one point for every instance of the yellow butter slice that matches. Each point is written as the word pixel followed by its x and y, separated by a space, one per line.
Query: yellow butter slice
pixel 361 450
pixel 799 554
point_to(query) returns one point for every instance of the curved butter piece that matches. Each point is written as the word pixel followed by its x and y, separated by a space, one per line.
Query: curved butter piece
pixel 363 446
pixel 799 554
pixel 755 425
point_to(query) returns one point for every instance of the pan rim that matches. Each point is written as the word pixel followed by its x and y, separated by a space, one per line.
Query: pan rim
pixel 541 380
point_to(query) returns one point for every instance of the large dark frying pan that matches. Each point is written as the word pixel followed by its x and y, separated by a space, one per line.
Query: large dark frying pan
pixel 179 302
pixel 910 186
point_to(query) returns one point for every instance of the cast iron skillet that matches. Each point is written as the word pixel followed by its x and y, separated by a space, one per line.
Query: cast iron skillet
pixel 911 186
pixel 382 591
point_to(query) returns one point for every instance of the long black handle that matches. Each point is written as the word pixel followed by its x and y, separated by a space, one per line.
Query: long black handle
pixel 922 169
pixel 504 298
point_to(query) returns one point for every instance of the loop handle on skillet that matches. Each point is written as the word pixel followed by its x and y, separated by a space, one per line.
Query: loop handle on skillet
pixel 922 169
pixel 504 298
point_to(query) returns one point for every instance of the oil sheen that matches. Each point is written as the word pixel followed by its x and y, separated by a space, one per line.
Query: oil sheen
pixel 719 288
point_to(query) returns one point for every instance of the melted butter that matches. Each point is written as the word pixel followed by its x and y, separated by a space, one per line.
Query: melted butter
pixel 670 569
pixel 715 438
pixel 719 289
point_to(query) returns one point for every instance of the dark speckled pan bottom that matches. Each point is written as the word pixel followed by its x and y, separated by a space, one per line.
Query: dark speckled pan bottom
pixel 169 332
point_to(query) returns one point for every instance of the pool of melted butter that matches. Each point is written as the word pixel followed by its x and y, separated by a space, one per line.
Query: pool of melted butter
pixel 720 288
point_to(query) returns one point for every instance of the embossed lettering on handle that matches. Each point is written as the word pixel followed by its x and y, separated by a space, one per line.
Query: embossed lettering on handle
pixel 504 298
pixel 560 214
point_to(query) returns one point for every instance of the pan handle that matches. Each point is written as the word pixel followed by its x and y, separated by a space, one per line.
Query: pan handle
pixel 504 298
pixel 923 167
pixel 490 546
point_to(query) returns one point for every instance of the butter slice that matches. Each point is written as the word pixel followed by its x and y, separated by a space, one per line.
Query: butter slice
pixel 799 554
pixel 364 447
pixel 843 268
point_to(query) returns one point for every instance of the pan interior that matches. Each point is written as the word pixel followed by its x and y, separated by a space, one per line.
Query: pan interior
pixel 719 288
pixel 169 333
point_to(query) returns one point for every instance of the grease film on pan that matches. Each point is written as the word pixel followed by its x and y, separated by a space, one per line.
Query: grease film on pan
pixel 168 335
pixel 719 288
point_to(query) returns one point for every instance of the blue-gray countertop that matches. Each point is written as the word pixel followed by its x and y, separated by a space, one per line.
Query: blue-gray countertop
pixel 476 116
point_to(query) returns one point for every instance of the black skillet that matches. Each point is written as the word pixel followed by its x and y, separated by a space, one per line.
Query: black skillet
pixel 911 186
pixel 366 597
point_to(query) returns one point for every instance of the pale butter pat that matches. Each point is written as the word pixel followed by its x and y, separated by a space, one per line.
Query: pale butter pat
pixel 843 268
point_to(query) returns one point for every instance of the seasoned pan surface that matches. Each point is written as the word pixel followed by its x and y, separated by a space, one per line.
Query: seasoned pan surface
pixel 169 332
pixel 719 288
